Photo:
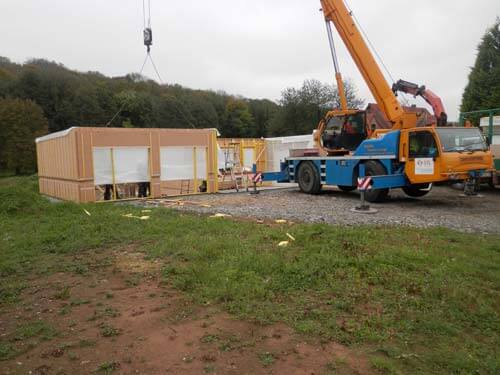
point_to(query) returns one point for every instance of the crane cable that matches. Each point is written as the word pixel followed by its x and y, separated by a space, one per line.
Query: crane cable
pixel 379 57
pixel 122 107
pixel 148 55
pixel 144 13
pixel 369 42
pixel 148 24
pixel 148 41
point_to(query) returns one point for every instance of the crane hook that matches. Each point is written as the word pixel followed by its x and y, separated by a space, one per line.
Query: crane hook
pixel 148 38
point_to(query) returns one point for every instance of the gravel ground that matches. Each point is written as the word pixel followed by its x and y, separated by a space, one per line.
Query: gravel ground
pixel 443 207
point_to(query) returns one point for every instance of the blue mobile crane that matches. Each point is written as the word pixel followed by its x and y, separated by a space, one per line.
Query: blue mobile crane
pixel 404 156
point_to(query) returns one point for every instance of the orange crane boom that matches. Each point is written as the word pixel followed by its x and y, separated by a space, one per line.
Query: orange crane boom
pixel 336 12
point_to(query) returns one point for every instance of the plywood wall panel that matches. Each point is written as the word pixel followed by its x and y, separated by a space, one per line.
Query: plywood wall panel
pixel 65 162
pixel 184 138
pixel 107 138
pixel 57 158
pixel 65 190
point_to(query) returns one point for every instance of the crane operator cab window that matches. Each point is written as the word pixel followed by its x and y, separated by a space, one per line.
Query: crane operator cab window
pixel 423 145
pixel 345 132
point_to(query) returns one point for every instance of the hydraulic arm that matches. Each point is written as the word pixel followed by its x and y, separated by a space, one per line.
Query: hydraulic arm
pixel 435 101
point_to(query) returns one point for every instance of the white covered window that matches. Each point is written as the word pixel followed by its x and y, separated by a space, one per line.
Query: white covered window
pixel 248 157
pixel 103 171
pixel 178 163
pixel 131 165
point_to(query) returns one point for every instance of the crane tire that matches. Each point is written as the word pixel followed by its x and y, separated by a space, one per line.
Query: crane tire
pixel 417 191
pixel 374 168
pixel 309 178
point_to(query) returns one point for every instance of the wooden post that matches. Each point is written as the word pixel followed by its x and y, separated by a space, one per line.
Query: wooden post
pixel 195 189
pixel 113 172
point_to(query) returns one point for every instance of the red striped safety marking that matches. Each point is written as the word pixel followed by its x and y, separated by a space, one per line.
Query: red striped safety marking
pixel 257 178
pixel 364 183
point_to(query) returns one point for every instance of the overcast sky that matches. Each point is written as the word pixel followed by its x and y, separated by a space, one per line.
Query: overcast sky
pixel 254 48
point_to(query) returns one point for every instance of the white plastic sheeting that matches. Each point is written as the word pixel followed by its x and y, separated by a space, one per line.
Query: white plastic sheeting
pixel 131 165
pixel 248 157
pixel 201 163
pixel 177 163
pixel 103 172
pixel 221 158
pixel 279 148
pixel 225 157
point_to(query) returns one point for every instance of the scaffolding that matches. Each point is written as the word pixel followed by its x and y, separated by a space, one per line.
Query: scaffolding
pixel 237 157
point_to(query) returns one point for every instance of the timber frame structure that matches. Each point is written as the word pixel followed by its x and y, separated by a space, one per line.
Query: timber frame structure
pixel 68 169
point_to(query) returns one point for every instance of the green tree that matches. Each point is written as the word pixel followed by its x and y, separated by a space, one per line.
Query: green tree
pixel 239 120
pixel 6 79
pixel 174 113
pixel 69 98
pixel 136 108
pixel 301 109
pixel 202 111
pixel 263 111
pixel 21 121
pixel 483 89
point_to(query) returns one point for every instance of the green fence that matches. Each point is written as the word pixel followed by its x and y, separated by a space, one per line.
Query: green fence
pixel 486 112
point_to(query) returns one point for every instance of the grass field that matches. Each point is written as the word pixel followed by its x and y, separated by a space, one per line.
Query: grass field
pixel 418 301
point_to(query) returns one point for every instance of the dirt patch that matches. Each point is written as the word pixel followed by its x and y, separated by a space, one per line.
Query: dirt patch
pixel 120 318
pixel 130 262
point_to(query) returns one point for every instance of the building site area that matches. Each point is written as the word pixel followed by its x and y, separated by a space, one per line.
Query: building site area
pixel 148 228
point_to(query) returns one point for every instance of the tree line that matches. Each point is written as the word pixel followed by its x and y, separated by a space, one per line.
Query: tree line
pixel 70 98
pixel 40 97
pixel 483 89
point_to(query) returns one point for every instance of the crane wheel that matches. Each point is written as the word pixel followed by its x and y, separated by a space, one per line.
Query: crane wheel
pixel 374 168
pixel 309 178
pixel 417 191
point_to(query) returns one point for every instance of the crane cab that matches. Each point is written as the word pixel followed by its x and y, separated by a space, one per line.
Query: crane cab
pixel 343 131
pixel 435 154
